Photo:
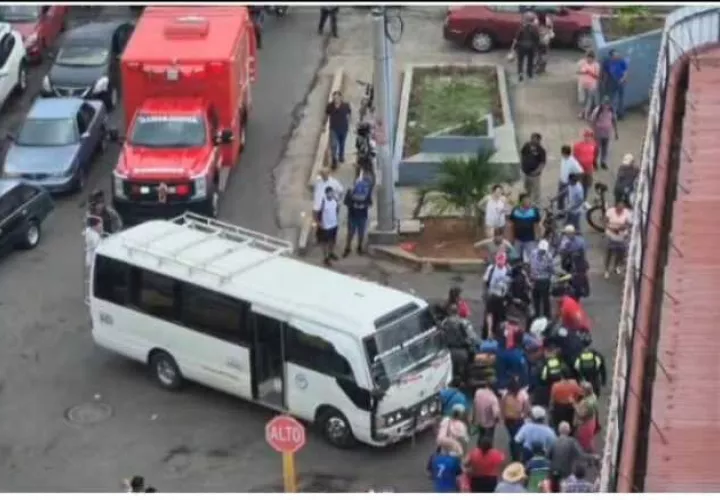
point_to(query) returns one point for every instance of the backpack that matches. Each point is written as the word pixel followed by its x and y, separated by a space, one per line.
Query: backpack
pixel 526 36
pixel 511 407
pixel 359 195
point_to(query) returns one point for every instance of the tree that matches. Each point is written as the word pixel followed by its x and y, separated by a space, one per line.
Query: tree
pixel 461 184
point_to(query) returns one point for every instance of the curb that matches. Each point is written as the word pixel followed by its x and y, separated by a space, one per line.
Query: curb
pixel 303 241
pixel 427 264
pixel 324 141
pixel 306 225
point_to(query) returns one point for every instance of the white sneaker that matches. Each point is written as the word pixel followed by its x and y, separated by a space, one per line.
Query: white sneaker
pixel 618 270
pixel 587 205
pixel 606 275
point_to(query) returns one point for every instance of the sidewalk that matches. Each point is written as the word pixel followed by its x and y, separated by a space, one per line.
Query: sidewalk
pixel 545 105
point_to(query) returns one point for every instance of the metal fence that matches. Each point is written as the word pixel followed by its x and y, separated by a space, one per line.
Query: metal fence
pixel 686 29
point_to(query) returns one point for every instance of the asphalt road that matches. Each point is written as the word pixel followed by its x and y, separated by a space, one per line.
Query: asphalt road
pixel 197 440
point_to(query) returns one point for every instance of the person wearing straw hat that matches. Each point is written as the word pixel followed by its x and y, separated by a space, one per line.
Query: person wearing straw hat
pixel 513 479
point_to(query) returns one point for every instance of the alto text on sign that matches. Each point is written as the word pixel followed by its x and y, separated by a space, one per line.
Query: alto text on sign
pixel 285 434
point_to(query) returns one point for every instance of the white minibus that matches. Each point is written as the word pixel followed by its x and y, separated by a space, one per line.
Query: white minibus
pixel 202 300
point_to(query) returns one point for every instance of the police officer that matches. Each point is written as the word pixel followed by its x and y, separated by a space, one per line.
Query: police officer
pixel 590 366
pixel 553 370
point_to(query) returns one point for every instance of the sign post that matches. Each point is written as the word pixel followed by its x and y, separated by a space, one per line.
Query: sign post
pixel 287 436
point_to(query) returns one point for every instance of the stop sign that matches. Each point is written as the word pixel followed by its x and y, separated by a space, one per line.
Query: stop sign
pixel 285 434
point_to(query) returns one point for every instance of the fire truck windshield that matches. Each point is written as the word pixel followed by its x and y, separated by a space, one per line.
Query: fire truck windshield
pixel 163 131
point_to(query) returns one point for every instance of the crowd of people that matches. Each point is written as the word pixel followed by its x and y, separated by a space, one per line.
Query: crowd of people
pixel 598 82
pixel 531 366
pixel 539 379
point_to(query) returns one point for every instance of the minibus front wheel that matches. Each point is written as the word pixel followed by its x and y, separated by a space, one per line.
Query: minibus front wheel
pixel 334 427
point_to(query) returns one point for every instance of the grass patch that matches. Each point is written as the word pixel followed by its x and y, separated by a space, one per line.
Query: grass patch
pixel 617 27
pixel 444 96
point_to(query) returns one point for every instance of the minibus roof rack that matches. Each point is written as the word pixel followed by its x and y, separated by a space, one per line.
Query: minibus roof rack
pixel 212 229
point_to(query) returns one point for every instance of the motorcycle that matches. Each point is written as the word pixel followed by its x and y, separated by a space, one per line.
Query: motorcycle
pixel 364 147
pixel 367 103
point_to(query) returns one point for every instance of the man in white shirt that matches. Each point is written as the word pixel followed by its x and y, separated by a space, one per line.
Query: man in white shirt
pixel 325 180
pixel 568 165
pixel 327 220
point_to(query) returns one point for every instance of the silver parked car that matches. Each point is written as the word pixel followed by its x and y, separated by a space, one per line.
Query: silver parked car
pixel 57 143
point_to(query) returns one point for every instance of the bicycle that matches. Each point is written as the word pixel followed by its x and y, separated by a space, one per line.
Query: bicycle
pixel 367 103
pixel 595 215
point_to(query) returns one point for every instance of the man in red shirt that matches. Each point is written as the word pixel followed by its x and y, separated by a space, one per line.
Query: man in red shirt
pixel 572 315
pixel 585 152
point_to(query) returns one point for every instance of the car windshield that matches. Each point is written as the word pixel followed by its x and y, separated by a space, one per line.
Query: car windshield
pixel 402 346
pixel 80 55
pixel 48 132
pixel 162 131
pixel 19 13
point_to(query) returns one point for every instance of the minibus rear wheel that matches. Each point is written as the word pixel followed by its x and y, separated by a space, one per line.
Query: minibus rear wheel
pixel 165 370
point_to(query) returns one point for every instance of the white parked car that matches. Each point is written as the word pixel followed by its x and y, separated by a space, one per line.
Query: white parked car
pixel 13 64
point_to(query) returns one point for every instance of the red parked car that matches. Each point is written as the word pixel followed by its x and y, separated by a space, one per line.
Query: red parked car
pixel 484 27
pixel 39 25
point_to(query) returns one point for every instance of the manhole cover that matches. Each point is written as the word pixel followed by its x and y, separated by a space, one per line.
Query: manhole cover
pixel 88 413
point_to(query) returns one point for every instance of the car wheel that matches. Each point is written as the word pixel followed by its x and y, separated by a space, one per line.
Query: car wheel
pixel 481 42
pixel 22 78
pixel 335 428
pixel 166 371
pixel 32 235
pixel 584 41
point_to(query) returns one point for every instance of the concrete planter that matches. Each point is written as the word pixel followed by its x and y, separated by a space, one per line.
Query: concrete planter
pixel 445 142
pixel 422 169
pixel 641 52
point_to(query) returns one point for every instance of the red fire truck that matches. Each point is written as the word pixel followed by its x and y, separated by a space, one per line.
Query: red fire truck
pixel 186 78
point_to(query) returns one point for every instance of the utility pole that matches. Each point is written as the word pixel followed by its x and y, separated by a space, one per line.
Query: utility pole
pixel 383 123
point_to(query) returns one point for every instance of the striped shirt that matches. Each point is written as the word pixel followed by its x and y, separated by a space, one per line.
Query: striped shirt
pixel 575 485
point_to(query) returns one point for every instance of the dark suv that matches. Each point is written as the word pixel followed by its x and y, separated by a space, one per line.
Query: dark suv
pixel 23 208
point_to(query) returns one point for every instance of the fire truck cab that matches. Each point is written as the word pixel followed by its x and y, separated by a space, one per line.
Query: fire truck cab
pixel 186 74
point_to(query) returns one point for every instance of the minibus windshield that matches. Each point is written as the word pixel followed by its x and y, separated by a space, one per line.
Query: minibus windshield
pixel 402 344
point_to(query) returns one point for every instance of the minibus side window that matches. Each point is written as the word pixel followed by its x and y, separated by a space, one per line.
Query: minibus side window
pixel 316 353
pixel 111 281
pixel 215 314
pixel 155 294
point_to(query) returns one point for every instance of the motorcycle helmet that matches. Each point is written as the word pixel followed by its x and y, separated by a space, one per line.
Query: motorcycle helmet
pixel 363 129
